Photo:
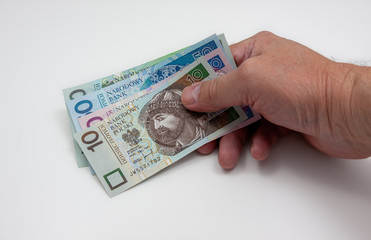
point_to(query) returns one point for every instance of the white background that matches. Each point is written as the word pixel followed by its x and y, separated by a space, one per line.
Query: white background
pixel 46 46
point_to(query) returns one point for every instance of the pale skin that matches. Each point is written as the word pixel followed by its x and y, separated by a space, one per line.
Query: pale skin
pixel 295 89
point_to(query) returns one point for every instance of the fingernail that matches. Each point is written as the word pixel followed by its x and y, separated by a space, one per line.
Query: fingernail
pixel 190 94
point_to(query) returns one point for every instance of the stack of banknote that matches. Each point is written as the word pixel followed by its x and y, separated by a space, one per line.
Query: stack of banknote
pixel 131 125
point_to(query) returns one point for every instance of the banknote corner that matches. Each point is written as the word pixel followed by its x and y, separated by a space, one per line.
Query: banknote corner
pixel 115 179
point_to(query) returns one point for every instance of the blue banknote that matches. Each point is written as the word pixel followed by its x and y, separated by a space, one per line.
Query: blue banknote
pixel 120 90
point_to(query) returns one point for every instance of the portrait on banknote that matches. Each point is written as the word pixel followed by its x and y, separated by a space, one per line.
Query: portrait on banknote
pixel 170 125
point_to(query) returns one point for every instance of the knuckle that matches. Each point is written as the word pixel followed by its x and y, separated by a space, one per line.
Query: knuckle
pixel 265 34
pixel 213 89
pixel 266 37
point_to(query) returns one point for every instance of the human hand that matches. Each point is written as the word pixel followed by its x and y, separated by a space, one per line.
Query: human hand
pixel 293 88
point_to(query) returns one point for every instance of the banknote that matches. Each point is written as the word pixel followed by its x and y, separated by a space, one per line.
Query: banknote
pixel 123 89
pixel 113 93
pixel 216 59
pixel 83 89
pixel 85 106
pixel 152 133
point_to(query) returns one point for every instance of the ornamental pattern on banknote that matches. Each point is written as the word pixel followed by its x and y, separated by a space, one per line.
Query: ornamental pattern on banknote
pixel 164 73
pixel 123 75
pixel 142 154
pixel 216 63
pixel 109 81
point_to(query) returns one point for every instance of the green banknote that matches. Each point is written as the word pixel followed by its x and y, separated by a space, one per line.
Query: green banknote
pixel 153 132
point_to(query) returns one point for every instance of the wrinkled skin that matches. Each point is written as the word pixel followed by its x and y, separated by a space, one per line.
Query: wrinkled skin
pixel 294 89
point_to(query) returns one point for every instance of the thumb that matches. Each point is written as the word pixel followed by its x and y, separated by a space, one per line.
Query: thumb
pixel 210 96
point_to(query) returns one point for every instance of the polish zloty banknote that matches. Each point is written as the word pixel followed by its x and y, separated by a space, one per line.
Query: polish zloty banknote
pixel 217 60
pixel 154 132
pixel 89 87
pixel 146 78
pixel 84 106
pixel 83 89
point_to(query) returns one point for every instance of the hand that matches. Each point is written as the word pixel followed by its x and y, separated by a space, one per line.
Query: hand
pixel 294 89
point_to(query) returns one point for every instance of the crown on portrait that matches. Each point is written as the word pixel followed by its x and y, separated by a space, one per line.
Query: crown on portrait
pixel 166 100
